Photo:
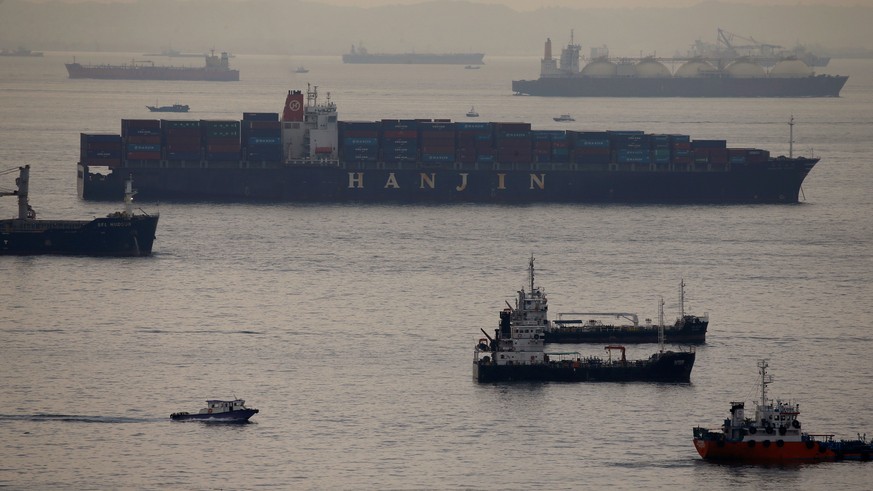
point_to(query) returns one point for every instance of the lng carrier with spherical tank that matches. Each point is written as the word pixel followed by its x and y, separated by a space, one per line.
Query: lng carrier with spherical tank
pixel 696 76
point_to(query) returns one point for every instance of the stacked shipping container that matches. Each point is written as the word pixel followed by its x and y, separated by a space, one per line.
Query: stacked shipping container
pixel 104 150
pixel 221 140
pixel 142 139
pixel 182 140
pixel 262 137
pixel 399 140
pixel 258 138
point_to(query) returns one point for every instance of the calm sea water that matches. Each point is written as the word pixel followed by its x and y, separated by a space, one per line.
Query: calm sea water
pixel 351 327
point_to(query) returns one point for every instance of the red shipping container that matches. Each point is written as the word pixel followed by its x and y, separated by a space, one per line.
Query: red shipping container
pixel 400 134
pixel 718 155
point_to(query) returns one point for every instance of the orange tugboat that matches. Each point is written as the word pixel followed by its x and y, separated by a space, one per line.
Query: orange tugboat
pixel 773 436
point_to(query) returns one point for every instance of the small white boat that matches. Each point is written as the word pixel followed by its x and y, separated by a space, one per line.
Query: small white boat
pixel 219 410
pixel 471 67
pixel 472 113
pixel 301 69
pixel 564 117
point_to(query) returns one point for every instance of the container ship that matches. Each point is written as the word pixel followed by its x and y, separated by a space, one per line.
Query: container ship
pixel 307 155
pixel 121 233
pixel 696 77
pixel 586 327
pixel 773 435
pixel 216 69
pixel 360 55
pixel 516 353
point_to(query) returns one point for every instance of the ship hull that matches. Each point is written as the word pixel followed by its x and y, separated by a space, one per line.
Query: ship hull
pixel 126 72
pixel 776 181
pixel 763 451
pixel 690 333
pixel 814 86
pixel 669 367
pixel 109 236
pixel 239 416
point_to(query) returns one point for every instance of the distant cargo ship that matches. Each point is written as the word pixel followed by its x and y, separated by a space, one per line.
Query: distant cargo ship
pixel 20 52
pixel 174 53
pixel 175 108
pixel 360 55
pixel 309 155
pixel 217 69
pixel 696 77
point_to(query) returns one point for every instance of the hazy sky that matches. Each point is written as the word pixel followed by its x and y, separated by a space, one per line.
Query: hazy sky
pixel 535 4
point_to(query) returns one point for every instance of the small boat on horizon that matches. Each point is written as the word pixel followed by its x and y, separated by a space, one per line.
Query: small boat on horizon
pixel 232 411
pixel 175 108
pixel 564 118
pixel 301 69
pixel 472 113
pixel 472 67
pixel 773 435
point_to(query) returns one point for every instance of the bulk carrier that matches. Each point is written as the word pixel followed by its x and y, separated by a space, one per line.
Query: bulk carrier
pixel 122 233
pixel 696 77
pixel 216 69
pixel 308 155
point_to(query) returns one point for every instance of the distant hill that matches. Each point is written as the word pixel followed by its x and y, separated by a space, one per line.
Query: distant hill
pixel 299 27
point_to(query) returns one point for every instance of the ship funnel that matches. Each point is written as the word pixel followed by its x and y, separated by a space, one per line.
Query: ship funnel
pixel 293 106
pixel 548 52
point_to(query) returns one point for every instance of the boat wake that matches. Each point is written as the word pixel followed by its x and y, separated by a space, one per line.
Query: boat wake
pixel 75 418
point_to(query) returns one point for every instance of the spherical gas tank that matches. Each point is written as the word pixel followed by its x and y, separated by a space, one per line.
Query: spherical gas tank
pixel 745 69
pixel 791 69
pixel 651 69
pixel 695 68
pixel 599 68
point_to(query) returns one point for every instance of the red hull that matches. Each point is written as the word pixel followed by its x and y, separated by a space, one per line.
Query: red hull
pixel 762 452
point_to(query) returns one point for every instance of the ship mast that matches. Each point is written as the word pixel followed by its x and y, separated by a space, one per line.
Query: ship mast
pixel 681 299
pixel 531 272
pixel 765 380
pixel 22 182
pixel 128 196
pixel 661 325
pixel 791 137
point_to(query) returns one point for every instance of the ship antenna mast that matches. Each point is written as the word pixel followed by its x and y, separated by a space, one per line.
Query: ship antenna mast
pixel 531 273
pixel 682 298
pixel 791 137
pixel 311 95
pixel 765 379
pixel 661 325
pixel 129 192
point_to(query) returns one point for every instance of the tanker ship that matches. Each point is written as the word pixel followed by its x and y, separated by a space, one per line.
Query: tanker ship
pixel 516 353
pixel 696 77
pixel 360 55
pixel 216 69
pixel 307 155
